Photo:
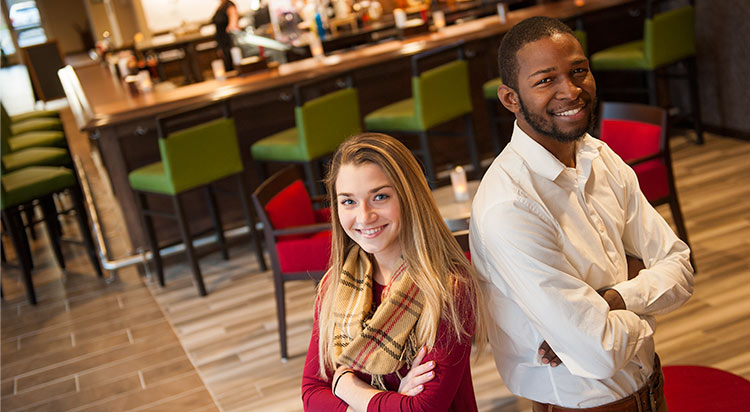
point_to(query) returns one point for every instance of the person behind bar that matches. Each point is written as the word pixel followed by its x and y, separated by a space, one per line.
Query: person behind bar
pixel 397 310
pixel 553 222
pixel 226 20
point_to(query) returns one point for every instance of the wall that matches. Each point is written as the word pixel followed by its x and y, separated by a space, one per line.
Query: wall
pixel 61 20
pixel 723 43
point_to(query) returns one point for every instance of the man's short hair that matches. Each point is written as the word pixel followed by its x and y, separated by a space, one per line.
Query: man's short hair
pixel 527 31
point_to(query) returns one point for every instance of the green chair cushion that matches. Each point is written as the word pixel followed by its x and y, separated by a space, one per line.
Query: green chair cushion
pixel 670 36
pixel 191 158
pixel 442 94
pixel 667 38
pixel 33 114
pixel 31 183
pixel 151 178
pixel 438 95
pixel 325 122
pixel 36 124
pixel 628 56
pixel 37 139
pixel 395 116
pixel 322 124
pixel 35 156
pixel 283 146
pixel 489 88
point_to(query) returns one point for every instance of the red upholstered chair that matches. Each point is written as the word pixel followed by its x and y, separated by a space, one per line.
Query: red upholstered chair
pixel 298 237
pixel 704 389
pixel 639 134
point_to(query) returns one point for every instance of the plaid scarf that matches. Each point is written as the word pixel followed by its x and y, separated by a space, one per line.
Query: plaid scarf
pixel 378 342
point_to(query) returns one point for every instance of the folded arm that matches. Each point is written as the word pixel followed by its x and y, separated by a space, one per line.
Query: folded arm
pixel 526 264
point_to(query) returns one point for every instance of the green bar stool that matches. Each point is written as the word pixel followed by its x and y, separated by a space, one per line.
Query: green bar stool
pixel 322 123
pixel 668 39
pixel 33 156
pixel 439 95
pixel 41 138
pixel 193 159
pixel 489 90
pixel 38 184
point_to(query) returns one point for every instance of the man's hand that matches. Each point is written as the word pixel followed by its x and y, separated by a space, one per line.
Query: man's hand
pixel 548 355
pixel 613 298
pixel 635 266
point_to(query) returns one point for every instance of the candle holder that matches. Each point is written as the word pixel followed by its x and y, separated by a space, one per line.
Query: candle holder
pixel 459 184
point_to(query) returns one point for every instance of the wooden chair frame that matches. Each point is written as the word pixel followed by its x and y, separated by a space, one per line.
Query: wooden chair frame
pixel 659 117
pixel 261 197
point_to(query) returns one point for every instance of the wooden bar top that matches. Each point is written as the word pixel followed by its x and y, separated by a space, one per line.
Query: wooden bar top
pixel 111 104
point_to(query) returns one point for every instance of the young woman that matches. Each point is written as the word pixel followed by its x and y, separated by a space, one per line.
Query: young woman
pixel 398 308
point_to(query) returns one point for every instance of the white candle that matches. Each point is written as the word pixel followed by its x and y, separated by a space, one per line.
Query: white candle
pixel 460 186
pixel 501 10
pixel 438 17
pixel 399 16
pixel 217 66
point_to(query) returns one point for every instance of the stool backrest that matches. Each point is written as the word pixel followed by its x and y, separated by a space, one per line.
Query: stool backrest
pixel 323 123
pixel 669 36
pixel 442 93
pixel 201 154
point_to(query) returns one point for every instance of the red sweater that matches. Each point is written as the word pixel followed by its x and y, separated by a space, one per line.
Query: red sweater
pixel 450 390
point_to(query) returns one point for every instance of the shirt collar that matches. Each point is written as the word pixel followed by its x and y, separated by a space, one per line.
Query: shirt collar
pixel 544 163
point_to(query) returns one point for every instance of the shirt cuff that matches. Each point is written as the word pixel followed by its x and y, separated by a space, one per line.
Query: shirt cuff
pixel 631 295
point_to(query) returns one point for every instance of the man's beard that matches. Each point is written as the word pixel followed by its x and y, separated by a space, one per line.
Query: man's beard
pixel 548 128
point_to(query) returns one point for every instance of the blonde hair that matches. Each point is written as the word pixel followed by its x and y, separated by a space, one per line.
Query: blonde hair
pixel 435 260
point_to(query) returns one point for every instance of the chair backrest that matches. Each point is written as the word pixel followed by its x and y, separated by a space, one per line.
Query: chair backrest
pixel 201 154
pixel 669 36
pixel 442 93
pixel 282 201
pixel 638 134
pixel 323 123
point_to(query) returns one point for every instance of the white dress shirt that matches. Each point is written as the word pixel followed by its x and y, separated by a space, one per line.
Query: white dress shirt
pixel 545 238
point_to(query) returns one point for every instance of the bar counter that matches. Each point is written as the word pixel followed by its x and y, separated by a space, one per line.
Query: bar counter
pixel 124 129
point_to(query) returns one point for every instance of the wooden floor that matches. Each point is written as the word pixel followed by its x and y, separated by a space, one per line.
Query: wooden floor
pixel 132 346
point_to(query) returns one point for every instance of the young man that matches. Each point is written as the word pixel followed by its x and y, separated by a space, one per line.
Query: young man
pixel 553 224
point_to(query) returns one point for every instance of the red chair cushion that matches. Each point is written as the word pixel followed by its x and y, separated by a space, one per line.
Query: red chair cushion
pixel 323 215
pixel 291 207
pixel 703 389
pixel 632 140
pixel 308 254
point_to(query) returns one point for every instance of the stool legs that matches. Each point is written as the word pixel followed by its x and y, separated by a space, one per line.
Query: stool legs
pixel 216 221
pixel 695 99
pixel 13 222
pixel 471 141
pixel 424 151
pixel 153 244
pixel 188 241
pixel 50 221
pixel 85 229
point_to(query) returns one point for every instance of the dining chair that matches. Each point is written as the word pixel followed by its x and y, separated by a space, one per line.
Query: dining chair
pixel 639 134
pixel 298 236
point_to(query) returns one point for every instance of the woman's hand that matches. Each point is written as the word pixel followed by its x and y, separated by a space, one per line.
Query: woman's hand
pixel 413 382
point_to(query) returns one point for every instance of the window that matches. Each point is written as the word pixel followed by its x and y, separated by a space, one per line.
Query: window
pixel 25 20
